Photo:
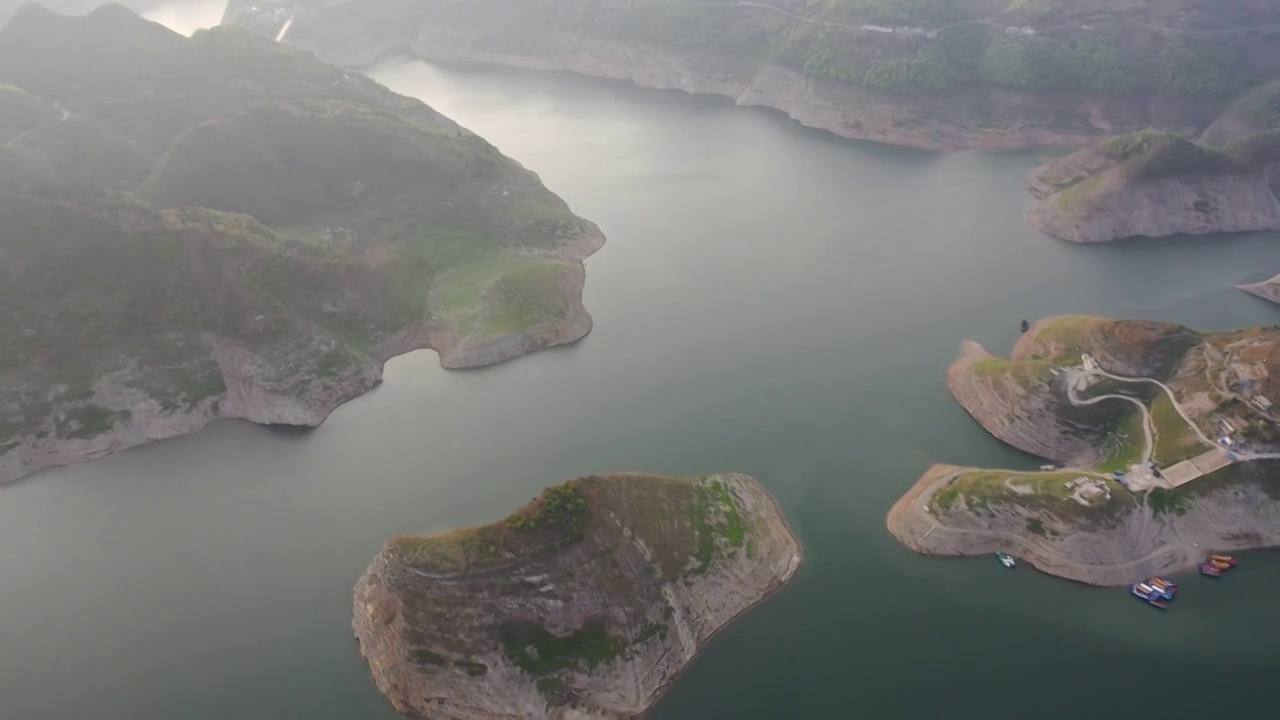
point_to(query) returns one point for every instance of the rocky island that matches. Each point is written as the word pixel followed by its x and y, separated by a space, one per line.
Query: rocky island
pixel 224 227
pixel 936 75
pixel 1163 443
pixel 586 603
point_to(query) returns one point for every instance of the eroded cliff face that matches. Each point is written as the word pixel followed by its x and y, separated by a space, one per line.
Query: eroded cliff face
pixel 1021 404
pixel 1121 542
pixel 570 616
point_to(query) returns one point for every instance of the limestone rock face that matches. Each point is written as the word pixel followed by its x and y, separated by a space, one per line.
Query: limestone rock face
pixel 586 603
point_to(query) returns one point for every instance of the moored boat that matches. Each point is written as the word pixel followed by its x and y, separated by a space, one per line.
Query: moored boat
pixel 1210 570
pixel 1005 559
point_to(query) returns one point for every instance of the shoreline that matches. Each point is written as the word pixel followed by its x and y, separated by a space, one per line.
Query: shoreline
pixel 695 605
pixel 943 122
pixel 1181 542
pixel 254 403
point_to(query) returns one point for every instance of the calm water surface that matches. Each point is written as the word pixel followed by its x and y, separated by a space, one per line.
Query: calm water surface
pixel 771 301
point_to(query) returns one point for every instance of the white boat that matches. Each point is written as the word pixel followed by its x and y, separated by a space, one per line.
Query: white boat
pixel 1005 559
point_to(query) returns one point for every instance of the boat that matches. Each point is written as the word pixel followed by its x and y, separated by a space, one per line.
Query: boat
pixel 1157 592
pixel 1005 559
pixel 1230 561
pixel 1210 570
pixel 1025 326
pixel 1220 564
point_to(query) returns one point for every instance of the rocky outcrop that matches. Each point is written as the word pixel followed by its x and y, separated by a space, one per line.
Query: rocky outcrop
pixel 1020 403
pixel 586 603
pixel 1121 542
pixel 1194 205
pixel 1267 290
pixel 1154 185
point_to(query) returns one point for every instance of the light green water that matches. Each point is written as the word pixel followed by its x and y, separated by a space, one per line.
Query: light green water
pixel 771 301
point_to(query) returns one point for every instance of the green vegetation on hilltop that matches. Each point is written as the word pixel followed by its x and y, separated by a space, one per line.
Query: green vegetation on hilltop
pixel 984 491
pixel 939 45
pixel 686 523
pixel 531 648
pixel 188 203
pixel 600 577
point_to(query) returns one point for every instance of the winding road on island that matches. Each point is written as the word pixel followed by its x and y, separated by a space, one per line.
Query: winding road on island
pixel 66 115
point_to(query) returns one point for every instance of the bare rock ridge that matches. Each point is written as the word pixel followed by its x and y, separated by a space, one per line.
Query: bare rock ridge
pixel 586 603
pixel 1163 443
pixel 944 76
pixel 241 231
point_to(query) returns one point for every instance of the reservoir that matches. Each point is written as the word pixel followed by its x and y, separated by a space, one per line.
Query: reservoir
pixel 773 301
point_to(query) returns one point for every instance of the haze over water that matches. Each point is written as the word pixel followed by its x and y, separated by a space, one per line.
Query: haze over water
pixel 771 300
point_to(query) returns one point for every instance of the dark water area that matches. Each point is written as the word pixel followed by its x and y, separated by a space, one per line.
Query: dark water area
pixel 771 300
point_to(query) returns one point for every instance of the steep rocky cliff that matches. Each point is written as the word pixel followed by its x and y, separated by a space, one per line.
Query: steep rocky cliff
pixel 972 73
pixel 222 227
pixel 586 603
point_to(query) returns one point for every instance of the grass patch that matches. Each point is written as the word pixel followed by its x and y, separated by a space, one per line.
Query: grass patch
pixel 715 518
pixel 530 647
pixel 560 508
pixel 1175 440
pixel 1126 441
pixel 1045 491
pixel 1164 501
pixel 89 421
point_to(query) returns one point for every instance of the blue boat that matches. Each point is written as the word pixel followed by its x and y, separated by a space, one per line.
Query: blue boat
pixel 1149 594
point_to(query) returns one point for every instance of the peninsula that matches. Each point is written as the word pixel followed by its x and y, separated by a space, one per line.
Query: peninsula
pixel 586 603
pixel 1155 184
pixel 1162 443
pixel 224 227
pixel 930 74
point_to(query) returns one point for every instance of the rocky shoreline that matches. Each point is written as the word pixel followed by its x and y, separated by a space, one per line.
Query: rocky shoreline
pixel 1140 543
pixel 1020 410
pixel 437 637
pixel 968 118
pixel 259 392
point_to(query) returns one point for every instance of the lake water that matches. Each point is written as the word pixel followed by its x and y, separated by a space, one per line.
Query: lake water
pixel 773 301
